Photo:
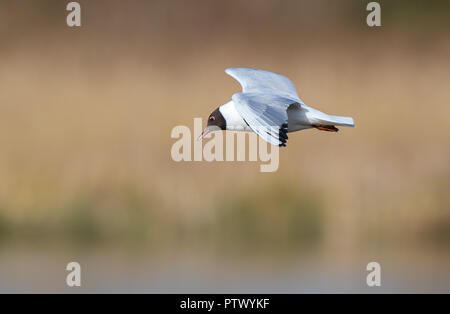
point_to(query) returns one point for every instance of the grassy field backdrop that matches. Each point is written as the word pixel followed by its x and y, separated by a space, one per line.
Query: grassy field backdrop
pixel 86 116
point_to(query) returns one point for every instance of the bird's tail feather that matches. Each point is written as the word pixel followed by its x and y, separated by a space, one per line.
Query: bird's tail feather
pixel 326 119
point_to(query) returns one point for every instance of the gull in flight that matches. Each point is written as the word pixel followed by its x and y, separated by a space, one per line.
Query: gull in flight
pixel 269 106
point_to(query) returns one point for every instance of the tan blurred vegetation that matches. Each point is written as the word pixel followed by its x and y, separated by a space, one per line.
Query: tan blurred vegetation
pixel 86 115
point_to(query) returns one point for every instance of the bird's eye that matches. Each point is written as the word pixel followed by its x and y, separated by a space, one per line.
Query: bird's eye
pixel 212 118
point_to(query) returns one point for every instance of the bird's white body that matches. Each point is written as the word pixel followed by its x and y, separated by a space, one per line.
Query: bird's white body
pixel 299 118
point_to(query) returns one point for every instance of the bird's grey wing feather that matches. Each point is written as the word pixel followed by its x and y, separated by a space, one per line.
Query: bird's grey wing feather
pixel 266 114
pixel 255 80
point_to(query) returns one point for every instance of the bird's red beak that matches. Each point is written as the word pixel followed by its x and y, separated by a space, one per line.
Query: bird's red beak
pixel 205 131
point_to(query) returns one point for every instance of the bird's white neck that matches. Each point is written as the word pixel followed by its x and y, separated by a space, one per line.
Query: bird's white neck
pixel 233 118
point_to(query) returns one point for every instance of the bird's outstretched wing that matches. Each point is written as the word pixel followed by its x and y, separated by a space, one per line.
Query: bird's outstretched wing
pixel 266 114
pixel 255 80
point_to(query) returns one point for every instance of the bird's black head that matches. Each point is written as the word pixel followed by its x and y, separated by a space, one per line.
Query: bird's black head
pixel 216 122
pixel 216 119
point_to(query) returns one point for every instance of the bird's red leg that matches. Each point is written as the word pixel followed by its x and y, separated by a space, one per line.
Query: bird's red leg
pixel 328 128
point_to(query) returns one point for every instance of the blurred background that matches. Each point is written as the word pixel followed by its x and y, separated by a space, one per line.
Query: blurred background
pixel 86 173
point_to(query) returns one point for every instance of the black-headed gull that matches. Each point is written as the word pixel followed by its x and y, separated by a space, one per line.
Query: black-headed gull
pixel 269 106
